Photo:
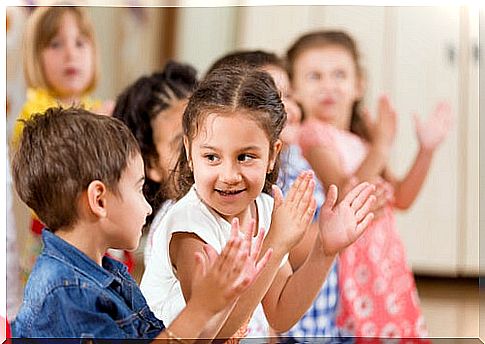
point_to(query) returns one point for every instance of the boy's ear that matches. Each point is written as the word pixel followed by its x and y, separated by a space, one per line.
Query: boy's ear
pixel 96 194
pixel 276 151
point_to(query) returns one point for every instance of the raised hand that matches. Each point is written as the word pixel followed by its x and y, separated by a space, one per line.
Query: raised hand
pixel 341 224
pixel 292 216
pixel 434 130
pixel 383 129
pixel 220 279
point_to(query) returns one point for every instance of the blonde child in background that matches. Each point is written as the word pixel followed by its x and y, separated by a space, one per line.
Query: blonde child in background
pixel 152 107
pixel 226 169
pixel 60 68
pixel 378 296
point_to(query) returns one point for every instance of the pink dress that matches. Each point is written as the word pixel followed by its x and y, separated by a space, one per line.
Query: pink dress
pixel 377 292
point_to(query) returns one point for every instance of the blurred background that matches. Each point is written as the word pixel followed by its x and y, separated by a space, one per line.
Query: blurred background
pixel 417 55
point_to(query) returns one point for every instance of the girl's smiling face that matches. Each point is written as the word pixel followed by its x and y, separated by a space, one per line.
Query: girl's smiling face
pixel 230 157
pixel 326 83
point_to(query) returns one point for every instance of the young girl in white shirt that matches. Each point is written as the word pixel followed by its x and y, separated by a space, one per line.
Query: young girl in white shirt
pixel 226 170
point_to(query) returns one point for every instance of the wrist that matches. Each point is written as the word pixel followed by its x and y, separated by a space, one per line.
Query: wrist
pixel 382 148
pixel 320 251
pixel 279 246
pixel 426 151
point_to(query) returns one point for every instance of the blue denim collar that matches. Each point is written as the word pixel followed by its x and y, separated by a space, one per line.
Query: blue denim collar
pixel 57 248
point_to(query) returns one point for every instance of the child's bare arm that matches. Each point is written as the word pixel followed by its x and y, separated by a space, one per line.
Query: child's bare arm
pixel 326 163
pixel 216 283
pixel 295 214
pixel 292 294
pixel 430 135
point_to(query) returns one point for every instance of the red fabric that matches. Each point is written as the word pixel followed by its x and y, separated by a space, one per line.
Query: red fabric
pixel 128 259
pixel 36 226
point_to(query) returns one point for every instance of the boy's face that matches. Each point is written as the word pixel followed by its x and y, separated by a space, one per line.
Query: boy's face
pixel 128 209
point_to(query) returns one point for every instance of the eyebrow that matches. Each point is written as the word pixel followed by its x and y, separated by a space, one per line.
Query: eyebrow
pixel 240 150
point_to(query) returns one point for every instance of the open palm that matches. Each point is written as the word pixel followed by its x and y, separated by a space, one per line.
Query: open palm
pixel 434 130
pixel 343 223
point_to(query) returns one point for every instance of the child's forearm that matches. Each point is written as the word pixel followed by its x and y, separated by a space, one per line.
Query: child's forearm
pixel 250 299
pixel 300 290
pixel 408 189
pixel 189 325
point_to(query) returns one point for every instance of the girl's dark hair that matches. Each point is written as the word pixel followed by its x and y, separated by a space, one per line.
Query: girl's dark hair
pixel 320 39
pixel 140 103
pixel 252 58
pixel 225 91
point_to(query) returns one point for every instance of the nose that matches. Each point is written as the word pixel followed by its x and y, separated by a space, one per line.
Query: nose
pixel 229 173
pixel 70 50
pixel 149 208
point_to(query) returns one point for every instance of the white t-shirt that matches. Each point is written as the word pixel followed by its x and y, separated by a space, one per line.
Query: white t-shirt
pixel 159 284
pixel 147 251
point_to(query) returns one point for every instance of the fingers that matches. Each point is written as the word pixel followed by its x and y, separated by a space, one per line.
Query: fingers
pixel 306 195
pixel 296 187
pixel 227 258
pixel 262 262
pixel 362 212
pixel 360 228
pixel 211 255
pixel 278 197
pixel 351 183
pixel 200 265
pixel 299 196
pixel 248 237
pixel 256 249
pixel 349 198
pixel 331 198
pixel 235 228
pixel 362 197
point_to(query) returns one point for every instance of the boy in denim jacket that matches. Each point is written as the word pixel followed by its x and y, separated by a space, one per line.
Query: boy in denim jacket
pixel 83 175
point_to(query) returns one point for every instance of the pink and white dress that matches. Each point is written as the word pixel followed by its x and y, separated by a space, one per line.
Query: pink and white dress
pixel 377 295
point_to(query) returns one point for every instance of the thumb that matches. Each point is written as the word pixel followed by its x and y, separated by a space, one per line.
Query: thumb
pixel 278 197
pixel 200 266
pixel 331 198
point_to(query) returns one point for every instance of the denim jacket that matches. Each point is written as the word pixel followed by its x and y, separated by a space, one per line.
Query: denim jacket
pixel 68 295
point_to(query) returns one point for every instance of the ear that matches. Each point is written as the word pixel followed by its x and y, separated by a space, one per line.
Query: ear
pixel 96 194
pixel 187 151
pixel 153 173
pixel 360 87
pixel 276 151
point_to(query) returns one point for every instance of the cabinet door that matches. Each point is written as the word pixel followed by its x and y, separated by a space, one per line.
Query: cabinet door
pixel 424 57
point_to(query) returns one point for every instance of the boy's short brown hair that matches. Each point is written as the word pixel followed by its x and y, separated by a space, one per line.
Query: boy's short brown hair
pixel 61 152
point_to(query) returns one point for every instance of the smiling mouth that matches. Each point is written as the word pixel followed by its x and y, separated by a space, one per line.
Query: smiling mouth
pixel 229 192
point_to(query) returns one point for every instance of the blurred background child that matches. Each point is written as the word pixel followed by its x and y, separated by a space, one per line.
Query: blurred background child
pixel 152 107
pixel 377 292
pixel 61 68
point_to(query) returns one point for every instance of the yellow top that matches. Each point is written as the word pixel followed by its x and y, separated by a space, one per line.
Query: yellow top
pixel 39 100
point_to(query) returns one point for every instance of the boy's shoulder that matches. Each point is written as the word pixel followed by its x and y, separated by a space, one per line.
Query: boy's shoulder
pixel 51 273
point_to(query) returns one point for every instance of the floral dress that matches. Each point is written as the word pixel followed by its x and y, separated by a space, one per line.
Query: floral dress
pixel 377 296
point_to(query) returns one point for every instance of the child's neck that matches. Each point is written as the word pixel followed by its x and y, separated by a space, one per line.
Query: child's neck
pixel 90 245
pixel 69 100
